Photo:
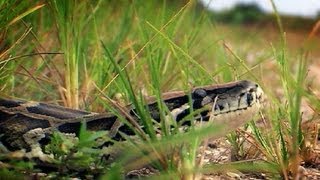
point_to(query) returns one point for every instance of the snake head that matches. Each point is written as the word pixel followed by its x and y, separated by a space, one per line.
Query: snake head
pixel 239 104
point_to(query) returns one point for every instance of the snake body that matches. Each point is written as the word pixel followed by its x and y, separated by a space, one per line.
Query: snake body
pixel 232 104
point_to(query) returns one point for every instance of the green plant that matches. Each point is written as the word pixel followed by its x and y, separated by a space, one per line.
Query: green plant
pixel 124 51
pixel 11 12
pixel 282 144
pixel 82 155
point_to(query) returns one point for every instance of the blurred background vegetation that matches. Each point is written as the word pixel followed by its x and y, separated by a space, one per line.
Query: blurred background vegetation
pixel 56 51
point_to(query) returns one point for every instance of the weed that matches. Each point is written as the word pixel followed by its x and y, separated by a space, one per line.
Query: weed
pixel 87 54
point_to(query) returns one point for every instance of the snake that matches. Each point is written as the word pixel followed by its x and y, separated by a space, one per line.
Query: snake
pixel 232 104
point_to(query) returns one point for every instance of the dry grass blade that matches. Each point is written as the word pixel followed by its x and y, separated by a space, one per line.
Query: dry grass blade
pixel 123 112
pixel 3 54
pixel 29 11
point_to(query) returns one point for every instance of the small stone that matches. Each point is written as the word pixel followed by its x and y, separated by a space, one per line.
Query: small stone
pixel 233 175
pixel 208 152
pixel 206 160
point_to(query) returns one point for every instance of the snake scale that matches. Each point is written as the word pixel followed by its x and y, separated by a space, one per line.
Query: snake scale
pixel 232 104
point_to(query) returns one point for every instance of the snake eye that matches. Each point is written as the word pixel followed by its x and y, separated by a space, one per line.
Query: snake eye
pixel 252 90
pixel 199 93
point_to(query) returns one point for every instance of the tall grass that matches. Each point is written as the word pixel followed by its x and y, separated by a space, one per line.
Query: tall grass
pixel 72 27
pixel 12 12
pixel 282 144
pixel 125 51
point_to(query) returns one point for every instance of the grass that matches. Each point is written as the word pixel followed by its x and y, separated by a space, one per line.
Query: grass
pixel 86 54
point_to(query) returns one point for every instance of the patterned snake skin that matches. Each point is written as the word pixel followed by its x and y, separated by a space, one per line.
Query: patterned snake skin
pixel 232 104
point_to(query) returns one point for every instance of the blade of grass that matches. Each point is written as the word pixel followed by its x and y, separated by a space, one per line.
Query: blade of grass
pixel 29 11
pixel 128 88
